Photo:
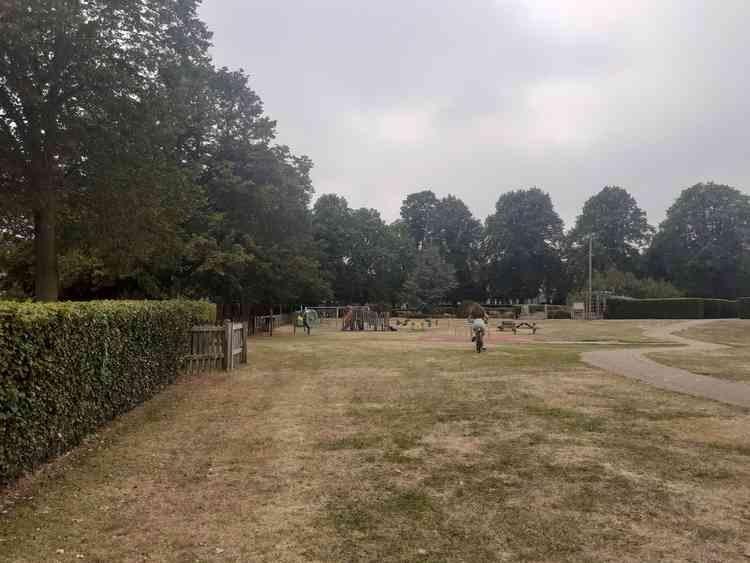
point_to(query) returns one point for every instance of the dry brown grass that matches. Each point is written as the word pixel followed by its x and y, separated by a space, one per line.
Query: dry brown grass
pixel 388 447
pixel 732 363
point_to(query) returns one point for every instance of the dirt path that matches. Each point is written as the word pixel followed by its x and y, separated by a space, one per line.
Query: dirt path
pixel 633 363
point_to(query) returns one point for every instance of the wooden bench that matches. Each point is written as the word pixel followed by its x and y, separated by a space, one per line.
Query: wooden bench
pixel 509 325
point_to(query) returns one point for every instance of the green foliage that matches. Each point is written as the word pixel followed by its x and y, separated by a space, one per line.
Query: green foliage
pixel 523 242
pixel 165 180
pixel 363 259
pixel 447 224
pixel 743 304
pixel 67 368
pixel 418 213
pixel 83 126
pixel 720 309
pixel 430 281
pixel 679 308
pixel 703 245
pixel 620 232
pixel 628 284
pixel 558 314
pixel 458 236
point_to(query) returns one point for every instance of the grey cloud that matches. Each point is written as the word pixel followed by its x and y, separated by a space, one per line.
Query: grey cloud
pixel 474 98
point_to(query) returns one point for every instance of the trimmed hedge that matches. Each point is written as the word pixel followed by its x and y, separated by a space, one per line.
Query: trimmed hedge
pixel 743 305
pixel 66 368
pixel 720 309
pixel 558 314
pixel 676 308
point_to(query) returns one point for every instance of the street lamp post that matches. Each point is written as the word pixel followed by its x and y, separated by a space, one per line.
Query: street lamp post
pixel 591 238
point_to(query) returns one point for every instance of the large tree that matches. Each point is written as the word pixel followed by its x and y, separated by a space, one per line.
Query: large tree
pixel 522 246
pixel 364 259
pixel 418 214
pixel 458 236
pixel 431 280
pixel 703 246
pixel 619 229
pixel 447 224
pixel 332 229
pixel 77 79
pixel 172 183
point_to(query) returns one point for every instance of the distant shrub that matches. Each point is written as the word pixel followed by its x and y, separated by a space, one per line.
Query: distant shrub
pixel 720 309
pixel 743 304
pixel 558 314
pixel 676 308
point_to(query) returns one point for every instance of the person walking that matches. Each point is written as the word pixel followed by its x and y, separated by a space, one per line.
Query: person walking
pixel 306 322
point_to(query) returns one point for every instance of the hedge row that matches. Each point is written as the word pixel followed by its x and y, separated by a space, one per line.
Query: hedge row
pixel 66 368
pixel 676 308
pixel 744 307
pixel 558 314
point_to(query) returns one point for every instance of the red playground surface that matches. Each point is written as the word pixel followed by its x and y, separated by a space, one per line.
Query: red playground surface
pixel 463 336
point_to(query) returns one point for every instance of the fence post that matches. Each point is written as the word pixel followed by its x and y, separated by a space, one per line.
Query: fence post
pixel 227 364
pixel 244 343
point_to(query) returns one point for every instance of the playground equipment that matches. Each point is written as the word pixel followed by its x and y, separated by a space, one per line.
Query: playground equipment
pixel 313 319
pixel 362 318
pixel 329 315
pixel 417 324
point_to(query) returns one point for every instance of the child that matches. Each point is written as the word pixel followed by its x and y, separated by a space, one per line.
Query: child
pixel 479 319
pixel 306 323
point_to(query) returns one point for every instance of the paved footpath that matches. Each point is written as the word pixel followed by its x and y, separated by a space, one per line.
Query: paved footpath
pixel 633 363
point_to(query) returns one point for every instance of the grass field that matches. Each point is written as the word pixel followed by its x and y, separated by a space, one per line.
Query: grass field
pixel 732 363
pixel 400 447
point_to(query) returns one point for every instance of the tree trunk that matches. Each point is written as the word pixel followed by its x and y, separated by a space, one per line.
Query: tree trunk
pixel 45 254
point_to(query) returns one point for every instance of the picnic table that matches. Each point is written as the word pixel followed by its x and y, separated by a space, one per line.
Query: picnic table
pixel 514 326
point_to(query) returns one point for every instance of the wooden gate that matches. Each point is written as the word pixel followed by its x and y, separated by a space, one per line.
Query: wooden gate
pixel 217 347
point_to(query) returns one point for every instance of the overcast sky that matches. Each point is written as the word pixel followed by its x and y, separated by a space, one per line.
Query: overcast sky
pixel 477 97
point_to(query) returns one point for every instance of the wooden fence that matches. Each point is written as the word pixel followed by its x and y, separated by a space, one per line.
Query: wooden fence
pixel 260 319
pixel 362 318
pixel 266 324
pixel 215 347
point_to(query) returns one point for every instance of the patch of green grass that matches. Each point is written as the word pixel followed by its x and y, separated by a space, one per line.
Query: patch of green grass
pixel 731 364
pixel 728 332
pixel 404 441
pixel 630 411
pixel 738 449
pixel 409 502
pixel 351 515
pixel 572 419
pixel 353 442
pixel 670 461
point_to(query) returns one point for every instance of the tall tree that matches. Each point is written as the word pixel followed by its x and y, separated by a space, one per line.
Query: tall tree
pixel 522 246
pixel 367 257
pixel 73 76
pixel 332 229
pixel 458 236
pixel 430 281
pixel 703 246
pixel 620 233
pixel 361 256
pixel 402 256
pixel 418 213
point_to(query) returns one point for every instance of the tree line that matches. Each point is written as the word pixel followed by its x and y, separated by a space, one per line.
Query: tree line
pixel 438 252
pixel 131 166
